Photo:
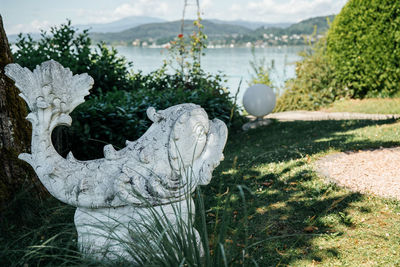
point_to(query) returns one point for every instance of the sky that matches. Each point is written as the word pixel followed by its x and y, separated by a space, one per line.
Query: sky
pixel 33 15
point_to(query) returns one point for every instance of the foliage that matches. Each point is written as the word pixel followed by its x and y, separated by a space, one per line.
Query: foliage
pixel 358 58
pixel 121 115
pixel 261 70
pixel 315 85
pixel 307 26
pixel 303 27
pixel 363 45
pixel 186 50
pixel 115 110
pixel 32 231
pixel 73 50
pixel 197 42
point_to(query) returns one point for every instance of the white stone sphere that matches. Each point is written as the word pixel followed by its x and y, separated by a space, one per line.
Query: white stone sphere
pixel 259 100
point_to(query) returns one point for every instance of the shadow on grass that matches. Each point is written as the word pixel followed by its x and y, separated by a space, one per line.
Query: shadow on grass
pixel 35 232
pixel 288 205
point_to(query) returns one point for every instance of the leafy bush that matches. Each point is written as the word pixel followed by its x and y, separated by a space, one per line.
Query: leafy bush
pixel 261 70
pixel 358 58
pixel 116 108
pixel 73 50
pixel 315 84
pixel 121 115
pixel 363 45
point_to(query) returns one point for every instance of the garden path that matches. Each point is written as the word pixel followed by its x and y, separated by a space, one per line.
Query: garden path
pixel 373 172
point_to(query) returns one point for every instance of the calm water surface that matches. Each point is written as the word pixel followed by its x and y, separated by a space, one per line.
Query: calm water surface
pixel 233 62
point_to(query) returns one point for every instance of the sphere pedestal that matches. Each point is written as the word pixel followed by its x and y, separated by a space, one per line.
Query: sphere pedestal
pixel 256 123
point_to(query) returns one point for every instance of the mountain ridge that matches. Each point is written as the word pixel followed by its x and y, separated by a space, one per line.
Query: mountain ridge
pixel 220 32
pixel 166 31
pixel 252 25
pixel 121 24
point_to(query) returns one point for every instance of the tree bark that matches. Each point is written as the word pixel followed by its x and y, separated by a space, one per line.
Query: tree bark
pixel 15 133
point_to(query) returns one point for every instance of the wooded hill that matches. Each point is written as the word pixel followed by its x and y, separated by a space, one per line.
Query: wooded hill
pixel 165 31
pixel 308 26
pixel 160 33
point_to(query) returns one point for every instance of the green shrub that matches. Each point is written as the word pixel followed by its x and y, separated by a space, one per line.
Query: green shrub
pixel 315 85
pixel 115 110
pixel 359 57
pixel 261 70
pixel 363 45
pixel 73 50
pixel 121 115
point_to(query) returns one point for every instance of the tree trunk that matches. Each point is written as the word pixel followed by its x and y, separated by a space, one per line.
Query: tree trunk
pixel 15 134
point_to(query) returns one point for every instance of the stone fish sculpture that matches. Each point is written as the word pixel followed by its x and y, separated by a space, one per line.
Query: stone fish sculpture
pixel 159 170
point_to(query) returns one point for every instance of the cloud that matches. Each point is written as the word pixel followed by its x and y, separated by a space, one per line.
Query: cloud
pixel 33 26
pixel 206 4
pixel 294 8
pixel 151 8
pixel 171 10
pixel 253 10
pixel 289 10
pixel 236 8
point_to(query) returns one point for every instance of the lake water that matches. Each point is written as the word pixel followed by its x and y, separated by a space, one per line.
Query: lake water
pixel 233 62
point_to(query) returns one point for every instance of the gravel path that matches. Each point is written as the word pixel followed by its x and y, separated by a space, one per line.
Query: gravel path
pixel 368 171
pixel 374 172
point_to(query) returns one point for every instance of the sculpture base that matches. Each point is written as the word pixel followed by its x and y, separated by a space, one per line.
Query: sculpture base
pixel 120 233
pixel 255 124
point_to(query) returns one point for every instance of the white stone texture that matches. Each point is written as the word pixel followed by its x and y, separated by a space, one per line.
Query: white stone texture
pixel 159 170
pixel 259 100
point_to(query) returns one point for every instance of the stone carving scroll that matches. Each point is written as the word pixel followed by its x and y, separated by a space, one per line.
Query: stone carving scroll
pixel 160 169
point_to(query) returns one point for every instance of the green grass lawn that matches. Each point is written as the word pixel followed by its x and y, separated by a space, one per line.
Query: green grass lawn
pixel 371 106
pixel 304 220
pixel 266 196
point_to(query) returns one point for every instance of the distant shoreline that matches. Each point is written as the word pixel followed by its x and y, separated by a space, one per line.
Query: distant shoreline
pixel 212 46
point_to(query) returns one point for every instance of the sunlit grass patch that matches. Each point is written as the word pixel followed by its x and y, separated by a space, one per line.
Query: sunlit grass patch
pixel 306 220
pixel 368 105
